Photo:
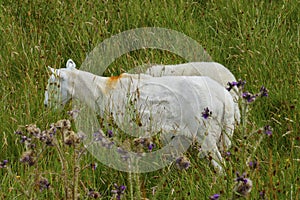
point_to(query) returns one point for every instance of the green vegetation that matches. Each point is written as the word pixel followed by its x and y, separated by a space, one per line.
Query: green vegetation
pixel 259 41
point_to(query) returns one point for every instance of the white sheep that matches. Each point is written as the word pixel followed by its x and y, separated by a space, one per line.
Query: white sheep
pixel 170 105
pixel 214 70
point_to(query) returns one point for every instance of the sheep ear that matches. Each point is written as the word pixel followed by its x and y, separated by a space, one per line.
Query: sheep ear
pixel 53 71
pixel 70 64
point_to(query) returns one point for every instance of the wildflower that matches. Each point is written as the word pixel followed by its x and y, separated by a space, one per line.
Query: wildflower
pixel 93 194
pixel 52 131
pixel 243 186
pixel 253 164
pixel 3 164
pixel 44 184
pixel 46 137
pixel 144 143
pixel 151 146
pixel 94 166
pixel 262 195
pixel 24 138
pixel 214 197
pixel 182 163
pixel 110 133
pixel 71 138
pixel 240 84
pixel 268 130
pixel 31 146
pixel 227 155
pixel 263 92
pixel 63 124
pixel 206 113
pixel 231 85
pixel 43 136
pixel 33 130
pixel 18 132
pixel 118 191
pixel 249 97
pixel 240 178
pixel 141 141
pixel 28 157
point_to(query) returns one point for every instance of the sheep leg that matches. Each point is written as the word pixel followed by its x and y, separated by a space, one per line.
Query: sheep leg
pixel 217 160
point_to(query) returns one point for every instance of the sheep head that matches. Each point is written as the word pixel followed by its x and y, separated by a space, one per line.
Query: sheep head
pixel 59 88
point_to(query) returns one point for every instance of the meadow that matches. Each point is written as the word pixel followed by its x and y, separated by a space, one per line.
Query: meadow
pixel 259 41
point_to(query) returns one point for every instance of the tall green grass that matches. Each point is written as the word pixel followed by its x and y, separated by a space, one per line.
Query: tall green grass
pixel 258 41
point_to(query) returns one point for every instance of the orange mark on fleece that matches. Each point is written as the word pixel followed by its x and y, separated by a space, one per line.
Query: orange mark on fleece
pixel 112 81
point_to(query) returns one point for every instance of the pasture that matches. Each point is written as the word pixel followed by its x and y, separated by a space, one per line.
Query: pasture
pixel 258 41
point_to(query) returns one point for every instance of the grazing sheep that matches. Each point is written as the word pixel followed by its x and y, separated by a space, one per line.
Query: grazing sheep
pixel 213 70
pixel 170 105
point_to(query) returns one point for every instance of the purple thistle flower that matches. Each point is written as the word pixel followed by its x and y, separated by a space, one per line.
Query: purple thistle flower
pixel 31 146
pixel 32 129
pixel 3 164
pixel 253 164
pixel 241 178
pixel 182 163
pixel 46 136
pixel 239 84
pixel 71 138
pixel 145 143
pixel 268 130
pixel 151 146
pixel 43 136
pixel 231 85
pixel 93 194
pixel 262 195
pixel 248 97
pixel 227 155
pixel 94 166
pixel 263 92
pixel 110 133
pixel 52 131
pixel 28 157
pixel 25 138
pixel 119 190
pixel 206 113
pixel 214 197
pixel 243 186
pixel 44 184
pixel 63 124
pixel 18 132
